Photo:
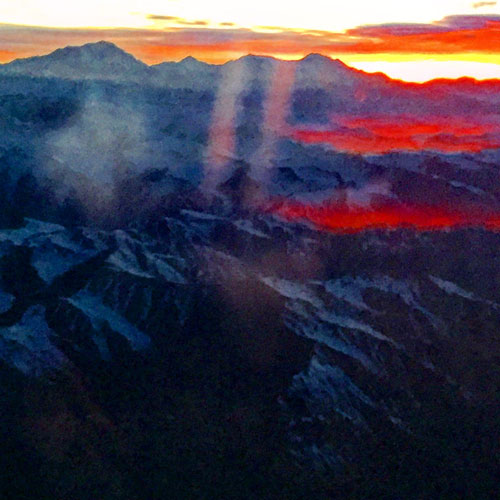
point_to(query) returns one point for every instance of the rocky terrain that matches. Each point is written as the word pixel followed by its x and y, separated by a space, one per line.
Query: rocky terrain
pixel 166 333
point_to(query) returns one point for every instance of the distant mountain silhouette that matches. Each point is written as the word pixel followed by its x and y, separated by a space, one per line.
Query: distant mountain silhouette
pixel 170 264
pixel 105 61
pixel 101 60
pixel 189 73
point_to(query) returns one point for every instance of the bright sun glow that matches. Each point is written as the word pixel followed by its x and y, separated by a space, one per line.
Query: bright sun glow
pixel 422 71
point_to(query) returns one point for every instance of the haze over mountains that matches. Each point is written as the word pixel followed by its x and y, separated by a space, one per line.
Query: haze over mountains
pixel 174 317
pixel 104 60
pixel 352 110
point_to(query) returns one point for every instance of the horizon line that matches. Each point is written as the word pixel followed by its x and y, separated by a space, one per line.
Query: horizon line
pixel 463 78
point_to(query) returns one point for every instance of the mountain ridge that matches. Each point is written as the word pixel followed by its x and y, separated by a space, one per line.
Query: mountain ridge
pixel 144 231
pixel 120 61
pixel 100 60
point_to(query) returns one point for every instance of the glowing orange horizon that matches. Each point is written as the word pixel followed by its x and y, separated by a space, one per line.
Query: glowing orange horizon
pixel 453 47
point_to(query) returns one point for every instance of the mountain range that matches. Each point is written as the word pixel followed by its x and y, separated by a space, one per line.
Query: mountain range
pixel 264 279
pixel 105 61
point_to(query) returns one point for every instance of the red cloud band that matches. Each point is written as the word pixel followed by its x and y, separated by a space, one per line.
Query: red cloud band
pixel 339 217
pixel 404 133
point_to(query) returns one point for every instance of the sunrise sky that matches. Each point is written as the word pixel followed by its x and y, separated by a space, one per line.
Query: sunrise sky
pixel 414 41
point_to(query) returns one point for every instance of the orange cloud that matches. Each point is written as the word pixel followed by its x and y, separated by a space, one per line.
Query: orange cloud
pixel 452 35
pixel 175 38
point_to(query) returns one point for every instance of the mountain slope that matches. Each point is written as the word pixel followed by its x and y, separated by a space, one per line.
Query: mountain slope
pixel 101 60
pixel 188 73
pixel 164 336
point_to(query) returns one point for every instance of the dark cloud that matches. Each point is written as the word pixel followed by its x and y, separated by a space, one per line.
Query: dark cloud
pixel 177 20
pixel 451 35
pixel 193 23
pixel 478 5
pixel 447 24
pixel 155 17
pixel 395 29
pixel 471 22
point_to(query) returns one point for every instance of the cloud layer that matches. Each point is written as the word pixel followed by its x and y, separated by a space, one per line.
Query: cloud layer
pixel 175 38
pixel 339 217
pixel 383 134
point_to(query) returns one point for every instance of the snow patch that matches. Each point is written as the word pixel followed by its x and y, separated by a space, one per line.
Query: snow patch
pixel 54 252
pixel 349 323
pixel 32 228
pixel 347 290
pixel 200 215
pixel 470 188
pixel 248 227
pixel 329 388
pixel 27 346
pixel 99 314
pixel 133 258
pixel 451 288
pixel 319 333
pixel 6 301
pixel 293 290
pixel 51 261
